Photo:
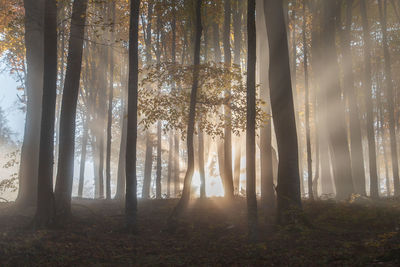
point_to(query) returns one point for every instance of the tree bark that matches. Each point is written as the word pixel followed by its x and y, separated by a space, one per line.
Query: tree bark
pixel 373 170
pixel 288 189
pixel 356 149
pixel 65 171
pixel 390 97
pixel 307 107
pixel 335 114
pixel 45 210
pixel 83 157
pixel 267 177
pixel 110 106
pixel 184 200
pixel 228 183
pixel 131 182
pixel 29 162
pixel 251 122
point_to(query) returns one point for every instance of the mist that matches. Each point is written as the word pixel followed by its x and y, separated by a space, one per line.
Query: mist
pixel 254 122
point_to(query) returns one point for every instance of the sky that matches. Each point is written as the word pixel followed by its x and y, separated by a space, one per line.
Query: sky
pixel 11 105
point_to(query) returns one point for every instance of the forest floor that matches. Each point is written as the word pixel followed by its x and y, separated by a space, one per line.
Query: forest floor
pixel 336 234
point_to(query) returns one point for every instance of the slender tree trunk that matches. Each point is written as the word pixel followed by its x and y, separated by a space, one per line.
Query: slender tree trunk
pixel 267 177
pixel 390 97
pixel 148 161
pixel 170 163
pixel 159 167
pixel 295 98
pixel 131 182
pixel 122 151
pixel 148 166
pixel 373 170
pixel 83 157
pixel 184 200
pixel 176 169
pixel 34 86
pixel 381 125
pixel 228 183
pixel 356 150
pixel 110 107
pixel 288 189
pixel 237 30
pixel 45 210
pixel 201 165
pixel 307 106
pixel 335 115
pixel 65 172
pixel 251 122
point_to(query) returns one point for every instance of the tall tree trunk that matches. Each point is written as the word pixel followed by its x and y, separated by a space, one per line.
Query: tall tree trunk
pixel 158 170
pixel 373 170
pixel 83 157
pixel 176 170
pixel 184 200
pixel 131 182
pixel 65 171
pixel 122 151
pixel 170 163
pixel 237 30
pixel 335 115
pixel 228 182
pixel 34 85
pixel 288 189
pixel 307 106
pixel 148 161
pixel 356 150
pixel 322 133
pixel 295 98
pixel 251 122
pixel 381 124
pixel 390 97
pixel 267 177
pixel 45 210
pixel 110 106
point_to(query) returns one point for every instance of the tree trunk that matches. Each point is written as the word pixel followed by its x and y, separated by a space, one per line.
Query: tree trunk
pixel 159 166
pixel 335 114
pixel 295 98
pixel 148 166
pixel 65 171
pixel 373 170
pixel 237 30
pixel 201 165
pixel 317 66
pixel 228 183
pixel 184 200
pixel 148 162
pixel 122 151
pixel 307 107
pixel 356 150
pixel 110 107
pixel 83 157
pixel 45 210
pixel 381 125
pixel 390 97
pixel 131 182
pixel 170 163
pixel 288 189
pixel 251 122
pixel 267 177
pixel 34 86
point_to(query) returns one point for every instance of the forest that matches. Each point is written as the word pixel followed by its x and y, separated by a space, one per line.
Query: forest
pixel 200 133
